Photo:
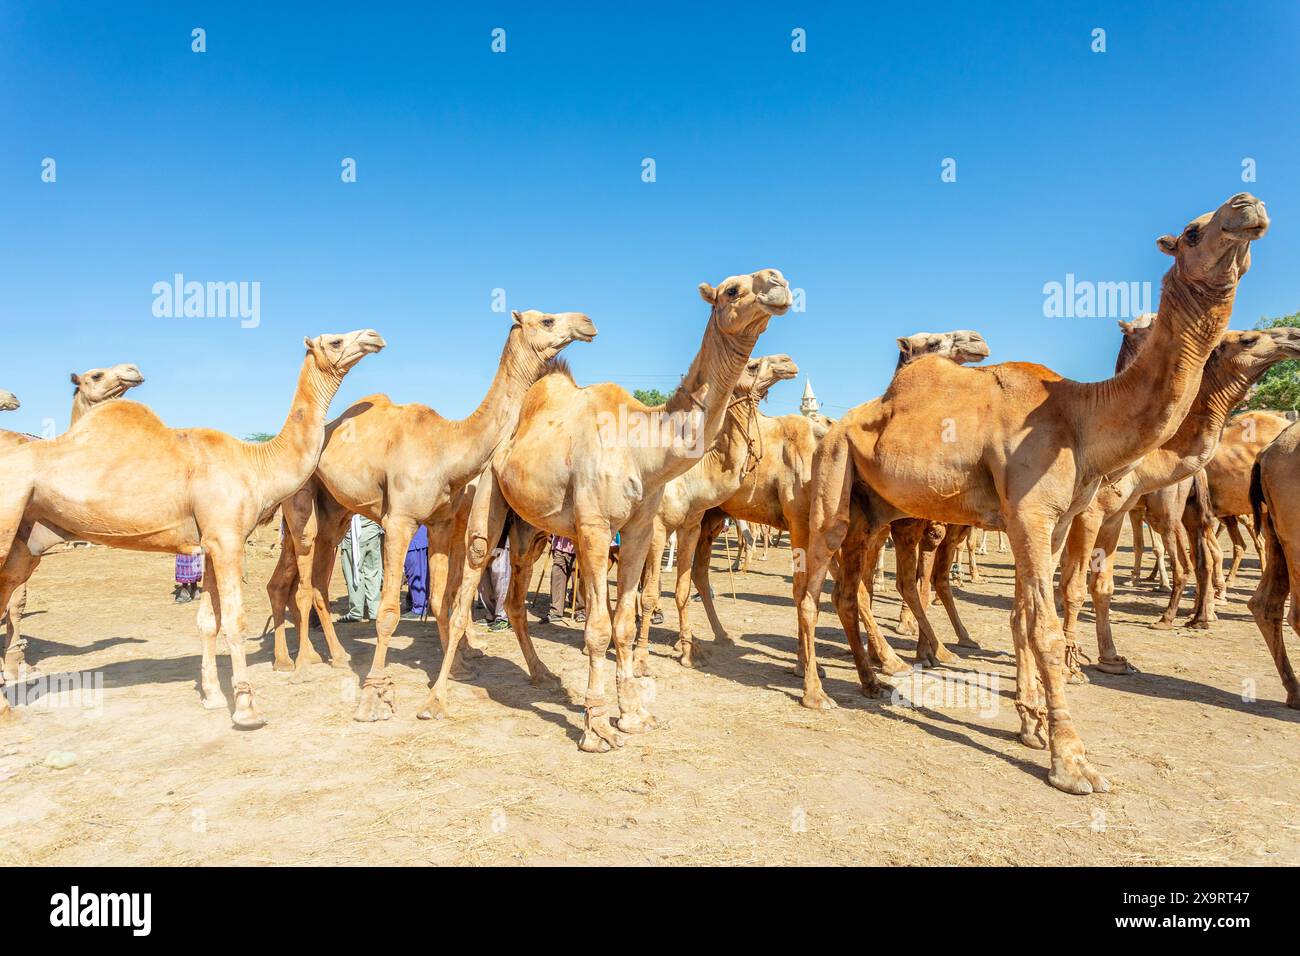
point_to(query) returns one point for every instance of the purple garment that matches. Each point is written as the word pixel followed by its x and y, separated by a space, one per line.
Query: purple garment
pixel 189 568
pixel 562 545
pixel 416 569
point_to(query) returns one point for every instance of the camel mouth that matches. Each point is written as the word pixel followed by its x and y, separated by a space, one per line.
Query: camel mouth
pixel 776 300
pixel 584 336
pixel 366 343
pixel 1248 233
pixel 9 404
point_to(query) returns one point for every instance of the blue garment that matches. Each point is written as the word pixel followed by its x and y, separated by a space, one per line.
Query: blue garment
pixel 416 568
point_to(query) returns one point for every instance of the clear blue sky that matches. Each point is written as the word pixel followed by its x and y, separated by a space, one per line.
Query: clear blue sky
pixel 523 171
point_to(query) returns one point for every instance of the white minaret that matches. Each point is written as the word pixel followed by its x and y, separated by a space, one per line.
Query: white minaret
pixel 809 403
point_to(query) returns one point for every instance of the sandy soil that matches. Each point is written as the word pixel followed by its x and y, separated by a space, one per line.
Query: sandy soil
pixel 738 773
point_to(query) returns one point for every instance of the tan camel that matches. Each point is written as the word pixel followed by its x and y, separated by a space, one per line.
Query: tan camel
pixel 735 453
pixel 122 478
pixel 1016 447
pixel 92 387
pixel 402 466
pixel 1233 367
pixel 1275 505
pixel 1234 524
pixel 777 490
pixel 588 462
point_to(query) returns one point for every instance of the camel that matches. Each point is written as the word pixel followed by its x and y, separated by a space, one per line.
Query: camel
pixel 1234 524
pixel 8 401
pixel 1016 447
pixel 776 491
pixel 92 387
pixel 1232 368
pixel 1275 505
pixel 402 466
pixel 120 477
pixel 735 453
pixel 588 462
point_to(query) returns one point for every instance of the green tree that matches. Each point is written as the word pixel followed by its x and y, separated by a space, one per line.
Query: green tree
pixel 1279 388
pixel 259 436
pixel 650 396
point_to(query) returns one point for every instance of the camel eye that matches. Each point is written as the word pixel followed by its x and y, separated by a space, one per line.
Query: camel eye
pixel 1192 235
pixel 97 376
pixel 548 323
pixel 336 343
pixel 734 291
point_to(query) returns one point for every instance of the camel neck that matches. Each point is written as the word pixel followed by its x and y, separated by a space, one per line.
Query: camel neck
pixel 79 407
pixel 497 415
pixel 287 460
pixel 1139 409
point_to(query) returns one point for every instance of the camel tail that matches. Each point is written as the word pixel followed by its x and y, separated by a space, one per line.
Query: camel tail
pixel 1257 496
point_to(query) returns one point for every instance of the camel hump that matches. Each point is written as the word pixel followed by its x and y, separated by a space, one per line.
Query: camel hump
pixel 121 413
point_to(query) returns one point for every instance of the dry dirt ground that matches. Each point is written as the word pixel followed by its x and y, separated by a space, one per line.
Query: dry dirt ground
pixel 738 772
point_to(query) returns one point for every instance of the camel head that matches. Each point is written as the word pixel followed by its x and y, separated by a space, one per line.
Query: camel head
pixel 1252 353
pixel 745 303
pixel 336 353
pixel 8 401
pixel 962 346
pixel 1135 334
pixel 762 373
pixel 1213 251
pixel 102 384
pixel 546 333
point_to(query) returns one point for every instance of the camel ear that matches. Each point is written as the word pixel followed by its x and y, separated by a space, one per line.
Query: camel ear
pixel 708 293
pixel 1125 327
pixel 519 319
pixel 905 346
pixel 76 379
pixel 1167 244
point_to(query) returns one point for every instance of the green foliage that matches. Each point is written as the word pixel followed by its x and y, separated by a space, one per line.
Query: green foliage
pixel 1279 388
pixel 259 436
pixel 650 396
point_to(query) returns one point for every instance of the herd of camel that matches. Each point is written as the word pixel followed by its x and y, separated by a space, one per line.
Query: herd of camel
pixel 1057 465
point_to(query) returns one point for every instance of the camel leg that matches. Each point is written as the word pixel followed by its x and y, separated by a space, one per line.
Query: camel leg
pixel 929 652
pixel 593 537
pixel 687 537
pixel 1070 769
pixel 483 523
pixel 377 692
pixel 1029 690
pixel 971 564
pixel 209 623
pixel 853 554
pixel 882 656
pixel 227 561
pixel 304 600
pixel 1080 544
pixel 324 557
pixel 1139 545
pixel 283 581
pixel 1281 574
pixel 1102 585
pixel 1238 551
pixel 634 538
pixel 1207 556
pixel 650 585
pixel 947 551
pixel 1173 537
pixel 18 569
pixel 700 577
pixel 527 544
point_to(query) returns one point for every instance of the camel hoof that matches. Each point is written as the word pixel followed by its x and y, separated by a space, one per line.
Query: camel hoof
pixel 469 651
pixel 1162 625
pixel 545 677
pixel 1076 677
pixel 1033 739
pixel 908 629
pixel 968 642
pixel 341 661
pixel 246 716
pixel 1079 779
pixel 894 665
pixel 1118 665
pixel 817 701
pixel 600 736
pixel 215 701
pixel 638 723
pixel 694 655
pixel 282 666
pixel 433 709
pixel 724 638
pixel 377 699
pixel 878 691
pixel 1293 701
pixel 641 668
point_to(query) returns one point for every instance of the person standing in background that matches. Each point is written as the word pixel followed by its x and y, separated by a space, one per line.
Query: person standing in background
pixel 495 583
pixel 189 572
pixel 563 558
pixel 416 569
pixel 363 568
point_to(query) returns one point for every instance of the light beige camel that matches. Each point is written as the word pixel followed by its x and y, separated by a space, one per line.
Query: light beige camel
pixel 1017 447
pixel 122 478
pixel 735 453
pixel 1275 504
pixel 92 387
pixel 402 466
pixel 8 401
pixel 777 490
pixel 1233 367
pixel 588 462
